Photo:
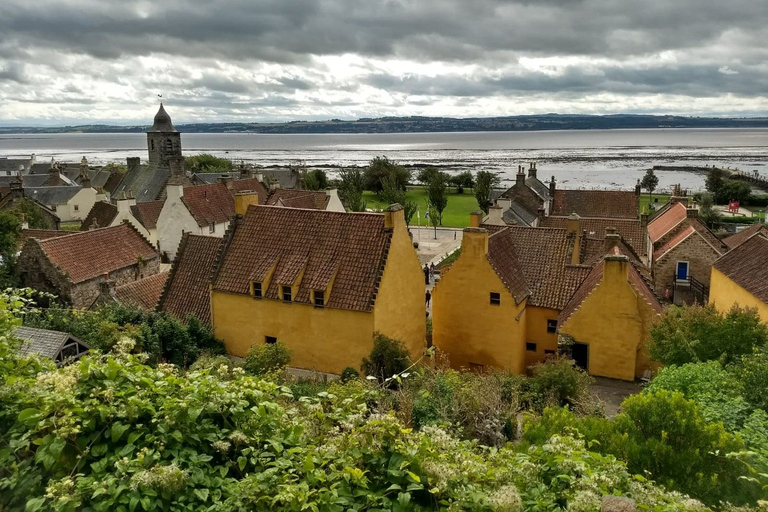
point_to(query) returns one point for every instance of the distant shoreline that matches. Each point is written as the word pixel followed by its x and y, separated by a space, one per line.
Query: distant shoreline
pixel 547 122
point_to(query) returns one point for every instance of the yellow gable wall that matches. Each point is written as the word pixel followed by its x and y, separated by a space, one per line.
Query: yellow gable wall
pixel 400 310
pixel 536 332
pixel 326 339
pixel 724 293
pixel 466 326
pixel 614 321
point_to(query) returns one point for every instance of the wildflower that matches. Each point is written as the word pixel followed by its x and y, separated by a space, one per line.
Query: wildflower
pixel 163 478
pixel 505 499
pixel 238 437
pixel 221 446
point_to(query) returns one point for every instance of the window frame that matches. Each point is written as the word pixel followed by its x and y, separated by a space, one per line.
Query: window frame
pixel 495 299
pixel 531 346
pixel 286 290
pixel 319 294
pixel 211 228
pixel 256 285
pixel 550 321
pixel 687 271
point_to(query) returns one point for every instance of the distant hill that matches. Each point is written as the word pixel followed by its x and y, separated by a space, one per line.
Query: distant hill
pixel 432 124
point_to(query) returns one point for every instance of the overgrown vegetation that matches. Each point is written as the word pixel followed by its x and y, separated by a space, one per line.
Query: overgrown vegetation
pixel 205 162
pixel 263 359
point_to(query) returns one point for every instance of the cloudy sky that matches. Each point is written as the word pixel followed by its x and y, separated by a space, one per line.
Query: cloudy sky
pixel 65 61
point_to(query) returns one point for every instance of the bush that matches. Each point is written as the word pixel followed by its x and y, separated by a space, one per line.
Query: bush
pixel 381 168
pixel 207 163
pixel 388 358
pixel 559 382
pixel 348 374
pixel 267 358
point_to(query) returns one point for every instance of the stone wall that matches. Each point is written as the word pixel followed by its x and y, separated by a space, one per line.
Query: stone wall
pixel 696 251
pixel 521 193
pixel 83 294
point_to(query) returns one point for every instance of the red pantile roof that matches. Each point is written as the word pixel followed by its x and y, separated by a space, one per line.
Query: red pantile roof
pixel 734 240
pixel 249 185
pixel 349 248
pixel 503 258
pixel 144 292
pixel 631 230
pixel 101 216
pixel 595 203
pixel 745 266
pixel 309 199
pixel 88 254
pixel 679 237
pixel 187 291
pixel 662 223
pixel 43 234
pixel 147 213
pixel 209 204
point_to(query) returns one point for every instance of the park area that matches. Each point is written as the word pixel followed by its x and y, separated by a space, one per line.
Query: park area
pixel 456 214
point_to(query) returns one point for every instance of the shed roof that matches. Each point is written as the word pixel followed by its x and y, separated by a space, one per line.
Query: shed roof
pixel 143 293
pixel 101 215
pixel 45 342
pixel 310 199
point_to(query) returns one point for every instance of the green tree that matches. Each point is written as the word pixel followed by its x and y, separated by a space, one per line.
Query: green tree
pixel 690 334
pixel 381 167
pixel 485 182
pixel 391 193
pixel 650 182
pixel 10 234
pixel 388 358
pixel 715 179
pixel 461 181
pixel 205 162
pixel 351 187
pixel 316 179
pixel 733 190
pixel 753 375
pixel 29 211
pixel 267 358
pixel 707 212
pixel 437 195
pixel 426 174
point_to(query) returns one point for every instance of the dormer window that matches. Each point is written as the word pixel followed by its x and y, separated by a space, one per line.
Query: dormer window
pixel 257 290
pixel 287 293
pixel 319 299
pixel 211 228
pixel 495 298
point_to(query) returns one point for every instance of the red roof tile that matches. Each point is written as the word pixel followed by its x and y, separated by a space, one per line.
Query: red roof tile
pixel 187 291
pixel 734 240
pixel 679 237
pixel 348 247
pixel 209 204
pixel 88 254
pixel 249 185
pixel 147 213
pixel 664 222
pixel 310 199
pixel 503 258
pixel 144 292
pixel 745 266
pixel 595 203
pixel 631 230
pixel 101 216
pixel 43 234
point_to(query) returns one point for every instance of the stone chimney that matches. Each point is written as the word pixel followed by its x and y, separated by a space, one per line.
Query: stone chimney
pixel 245 199
pixel 55 171
pixel 176 165
pixel 520 178
pixel 616 268
pixel 174 190
pixel 540 214
pixel 243 171
pixel 133 162
pixel 124 203
pixel 107 289
pixel 17 187
pixel 532 170
pixel 612 240
pixel 394 217
pixel 85 178
pixel 573 227
pixel 552 187
pixel 475 219
pixel 692 213
pixel 474 243
pixel 638 188
pixel 495 214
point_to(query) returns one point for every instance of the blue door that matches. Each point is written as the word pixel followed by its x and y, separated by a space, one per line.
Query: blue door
pixel 682 270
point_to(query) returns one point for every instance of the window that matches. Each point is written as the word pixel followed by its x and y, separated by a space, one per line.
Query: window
pixel 257 290
pixel 211 228
pixel 551 326
pixel 682 271
pixel 152 144
pixel 319 299
pixel 270 340
pixel 168 145
pixel 476 367
pixel 530 347
pixel 495 299
pixel 287 293
pixel 77 207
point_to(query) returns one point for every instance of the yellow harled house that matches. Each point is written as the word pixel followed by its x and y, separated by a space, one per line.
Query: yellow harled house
pixel 517 294
pixel 323 282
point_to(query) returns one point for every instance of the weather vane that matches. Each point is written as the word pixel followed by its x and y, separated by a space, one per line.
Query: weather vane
pixel 161 98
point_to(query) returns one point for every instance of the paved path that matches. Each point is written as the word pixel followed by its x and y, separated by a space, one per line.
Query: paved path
pixel 431 250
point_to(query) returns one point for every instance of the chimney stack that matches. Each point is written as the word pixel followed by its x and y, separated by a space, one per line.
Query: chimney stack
pixel 692 213
pixel 495 216
pixel 638 188
pixel 552 188
pixel 532 170
pixel 133 162
pixel 394 216
pixel 573 228
pixel 612 239
pixel 520 178
pixel 474 243
pixel 475 219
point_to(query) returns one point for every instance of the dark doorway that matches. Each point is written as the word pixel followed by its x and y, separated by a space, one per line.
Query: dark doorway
pixel 580 354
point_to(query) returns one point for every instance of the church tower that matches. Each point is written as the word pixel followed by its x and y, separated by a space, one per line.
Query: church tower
pixel 163 140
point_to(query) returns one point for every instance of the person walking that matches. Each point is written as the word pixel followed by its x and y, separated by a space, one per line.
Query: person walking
pixel 428 297
pixel 426 274
pixel 432 271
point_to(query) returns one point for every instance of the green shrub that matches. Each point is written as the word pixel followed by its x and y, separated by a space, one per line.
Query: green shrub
pixel 349 373
pixel 753 375
pixel 267 358
pixel 558 382
pixel 388 358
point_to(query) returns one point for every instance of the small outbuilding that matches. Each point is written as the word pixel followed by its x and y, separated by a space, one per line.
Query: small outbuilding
pixel 56 345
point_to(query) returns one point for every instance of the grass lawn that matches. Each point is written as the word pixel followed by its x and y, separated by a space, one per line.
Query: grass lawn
pixel 455 215
pixel 662 200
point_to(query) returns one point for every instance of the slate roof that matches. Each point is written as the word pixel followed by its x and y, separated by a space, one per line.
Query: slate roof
pixel 162 122
pixel 144 182
pixel 187 289
pixel 98 177
pixel 51 196
pixel 207 178
pixel 143 293
pixel 44 342
pixel 209 204
pixel 745 265
pixel 544 256
pixel 631 230
pixel 595 203
pixel 503 258
pixel 734 240
pixel 12 164
pixel 538 187
pixel 284 177
pixel 113 182
pixel 101 215
pixel 309 199
pixel 666 220
pixel 518 213
pixel 87 254
pixel 147 213
pixel 29 180
pixel 350 246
